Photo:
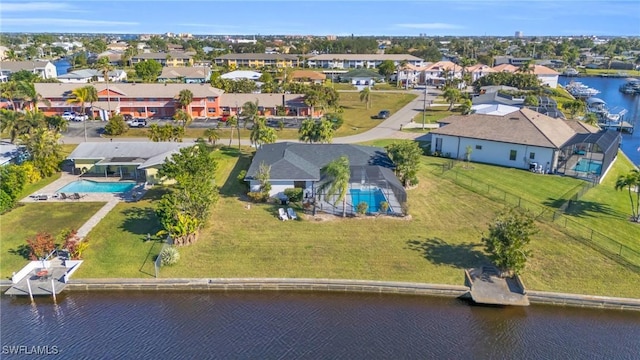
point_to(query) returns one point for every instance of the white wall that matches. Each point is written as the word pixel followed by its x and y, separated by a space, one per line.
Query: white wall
pixel 550 80
pixel 492 152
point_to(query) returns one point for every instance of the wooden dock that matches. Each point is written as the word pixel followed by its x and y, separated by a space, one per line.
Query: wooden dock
pixel 42 282
pixel 487 287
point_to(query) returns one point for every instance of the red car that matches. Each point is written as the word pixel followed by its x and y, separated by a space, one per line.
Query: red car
pixel 224 118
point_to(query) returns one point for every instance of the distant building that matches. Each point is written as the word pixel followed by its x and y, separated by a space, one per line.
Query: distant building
pixel 44 69
pixel 257 60
pixel 356 61
pixel 519 34
pixel 187 75
pixel 84 76
pixel 165 59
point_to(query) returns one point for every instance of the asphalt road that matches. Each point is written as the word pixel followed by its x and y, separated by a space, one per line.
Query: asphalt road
pixel 388 128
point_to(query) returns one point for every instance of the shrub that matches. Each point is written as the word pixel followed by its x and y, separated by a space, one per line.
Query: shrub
pixel 258 196
pixel 241 176
pixel 294 194
pixel 6 202
pixel 362 208
pixel 40 246
pixel 405 208
pixel 13 178
pixel 116 126
pixel 72 243
pixel 384 207
pixel 31 173
pixel 169 256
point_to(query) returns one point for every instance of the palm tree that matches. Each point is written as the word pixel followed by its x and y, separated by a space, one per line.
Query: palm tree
pixel 10 92
pixel 261 133
pixel 307 131
pixel 78 97
pixel 337 175
pixel 32 120
pixel 105 67
pixel 365 96
pixel 591 119
pixel 249 110
pixel 28 93
pixel 465 107
pixel 452 95
pixel 185 97
pixel 212 135
pixel 574 107
pixel 631 180
pixel 11 122
pixel 527 67
pixel 233 123
pixel 182 117
pixel 92 95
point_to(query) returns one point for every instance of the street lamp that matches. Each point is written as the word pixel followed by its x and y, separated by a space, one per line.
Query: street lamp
pixel 424 104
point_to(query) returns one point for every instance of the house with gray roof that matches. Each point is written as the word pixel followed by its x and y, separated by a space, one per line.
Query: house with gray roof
pixel 84 76
pixel 187 75
pixel 44 69
pixel 139 161
pixel 526 139
pixel 296 165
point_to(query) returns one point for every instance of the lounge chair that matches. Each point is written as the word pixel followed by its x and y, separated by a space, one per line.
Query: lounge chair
pixel 292 214
pixel 62 196
pixel 42 197
pixel 283 214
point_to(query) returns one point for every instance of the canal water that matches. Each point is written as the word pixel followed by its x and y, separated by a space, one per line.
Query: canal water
pixel 616 101
pixel 62 66
pixel 269 325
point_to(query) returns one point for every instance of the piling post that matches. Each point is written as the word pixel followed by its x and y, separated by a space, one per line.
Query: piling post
pixel 29 288
pixel 53 290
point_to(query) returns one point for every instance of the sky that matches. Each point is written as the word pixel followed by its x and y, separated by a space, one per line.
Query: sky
pixel 341 18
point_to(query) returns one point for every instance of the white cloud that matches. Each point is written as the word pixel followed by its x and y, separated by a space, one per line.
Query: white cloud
pixel 430 26
pixel 34 6
pixel 64 22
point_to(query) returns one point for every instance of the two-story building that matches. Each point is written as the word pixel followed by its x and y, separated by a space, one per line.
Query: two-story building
pixel 44 69
pixel 187 75
pixel 257 60
pixel 137 100
pixel 355 61
pixel 84 76
pixel 175 59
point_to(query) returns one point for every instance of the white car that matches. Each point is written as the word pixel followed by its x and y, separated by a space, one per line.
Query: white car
pixel 80 117
pixel 137 123
pixel 68 115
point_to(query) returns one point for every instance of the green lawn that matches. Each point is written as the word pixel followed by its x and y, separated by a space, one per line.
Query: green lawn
pixel 441 238
pixel 27 220
pixel 435 114
pixel 357 118
pixel 609 71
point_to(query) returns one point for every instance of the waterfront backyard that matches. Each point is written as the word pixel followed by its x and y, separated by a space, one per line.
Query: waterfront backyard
pixel 441 238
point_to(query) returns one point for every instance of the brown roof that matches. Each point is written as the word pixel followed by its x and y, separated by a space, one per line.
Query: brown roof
pixel 521 127
pixel 265 100
pixel 505 68
pixel 131 90
pixel 163 56
pixel 172 72
pixel 366 57
pixel 480 68
pixel 543 70
pixel 16 66
pixel 308 74
pixel 256 56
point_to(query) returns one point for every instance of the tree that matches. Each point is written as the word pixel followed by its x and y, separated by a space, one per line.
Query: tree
pixel 116 126
pixel 166 132
pixel 11 122
pixel 263 176
pixel 527 67
pixel 56 123
pixel 466 107
pixel 148 70
pixel 336 176
pixel 40 246
pixel 105 67
pixel 45 150
pixel 531 100
pixel 78 97
pixel 182 117
pixel 13 179
pixel 29 94
pixel 406 157
pixel 185 97
pixel 261 133
pixel 386 69
pixel 591 119
pixel 452 95
pixel 631 181
pixel 574 107
pixel 31 121
pixel 92 95
pixel 306 131
pixel 365 96
pixel 212 135
pixel 508 238
pixel 249 111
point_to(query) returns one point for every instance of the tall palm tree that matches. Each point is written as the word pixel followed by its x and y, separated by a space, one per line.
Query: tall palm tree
pixel 365 96
pixel 105 67
pixel 28 93
pixel 250 111
pixel 79 96
pixel 451 95
pixel 185 97
pixel 10 122
pixel 92 95
pixel 212 135
pixel 337 175
pixel 527 67
pixel 10 92
pixel 32 120
pixel 591 119
pixel 631 180
pixel 233 123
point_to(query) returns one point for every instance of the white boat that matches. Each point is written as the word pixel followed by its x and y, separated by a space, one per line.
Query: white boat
pixel 580 90
pixel 632 87
pixel 570 72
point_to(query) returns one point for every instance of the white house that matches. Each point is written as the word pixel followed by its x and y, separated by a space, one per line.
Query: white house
pixel 524 138
pixel 44 69
pixel 242 74
pixel 84 76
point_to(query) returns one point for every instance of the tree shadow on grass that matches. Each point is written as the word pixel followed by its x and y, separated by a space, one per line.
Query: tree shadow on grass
pixel 439 252
pixel 581 208
pixel 141 221
pixel 23 251
pixel 232 187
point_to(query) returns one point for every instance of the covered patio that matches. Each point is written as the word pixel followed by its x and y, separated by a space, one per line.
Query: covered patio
pixel 124 168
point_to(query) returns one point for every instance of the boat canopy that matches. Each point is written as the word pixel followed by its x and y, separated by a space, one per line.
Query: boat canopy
pixel 594 100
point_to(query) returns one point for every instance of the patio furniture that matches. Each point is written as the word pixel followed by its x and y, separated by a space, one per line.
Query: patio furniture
pixel 282 214
pixel 292 214
pixel 62 196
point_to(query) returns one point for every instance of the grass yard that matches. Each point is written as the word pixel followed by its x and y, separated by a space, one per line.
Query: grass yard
pixel 442 237
pixel 434 114
pixel 609 72
pixel 357 118
pixel 27 220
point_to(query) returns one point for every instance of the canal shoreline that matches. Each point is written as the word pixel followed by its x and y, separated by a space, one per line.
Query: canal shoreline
pixel 332 285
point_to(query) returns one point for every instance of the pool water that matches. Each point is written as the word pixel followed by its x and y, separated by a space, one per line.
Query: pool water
pixel 588 166
pixel 86 186
pixel 373 197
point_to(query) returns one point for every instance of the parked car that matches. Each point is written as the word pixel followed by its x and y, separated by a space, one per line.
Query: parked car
pixel 127 117
pixel 383 114
pixel 68 115
pixel 137 123
pixel 80 117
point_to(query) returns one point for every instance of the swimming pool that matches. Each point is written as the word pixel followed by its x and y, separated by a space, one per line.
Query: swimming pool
pixel 373 197
pixel 87 186
pixel 588 166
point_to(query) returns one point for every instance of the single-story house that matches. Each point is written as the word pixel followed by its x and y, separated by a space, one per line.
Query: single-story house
pixel 526 139
pixel 138 161
pixel 84 76
pixel 362 78
pixel 308 76
pixel 44 69
pixel 242 74
pixel 296 165
pixel 11 153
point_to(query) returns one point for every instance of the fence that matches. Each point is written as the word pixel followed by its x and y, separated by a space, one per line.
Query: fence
pixel 580 232
pixel 158 263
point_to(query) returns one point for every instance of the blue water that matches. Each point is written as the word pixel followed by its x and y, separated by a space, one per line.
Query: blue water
pixel 86 186
pixel 372 197
pixel 62 66
pixel 588 166
pixel 616 101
